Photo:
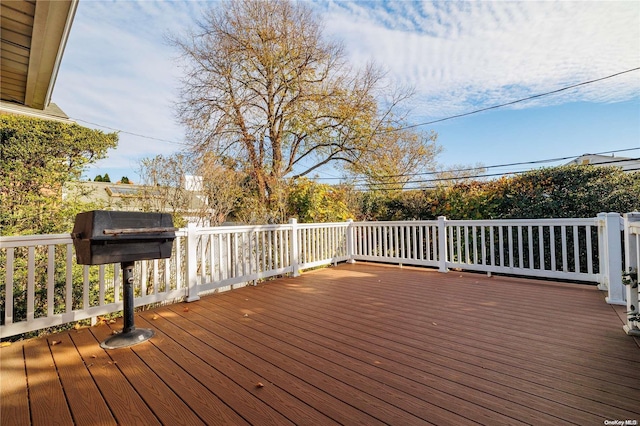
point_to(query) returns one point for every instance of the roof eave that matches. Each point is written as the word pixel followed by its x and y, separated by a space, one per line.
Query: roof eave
pixel 51 112
pixel 51 28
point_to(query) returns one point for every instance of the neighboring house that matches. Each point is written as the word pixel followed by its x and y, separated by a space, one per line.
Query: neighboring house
pixel 189 204
pixel 33 36
pixel 106 195
pixel 627 164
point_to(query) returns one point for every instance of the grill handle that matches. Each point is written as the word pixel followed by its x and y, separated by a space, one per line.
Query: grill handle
pixel 125 231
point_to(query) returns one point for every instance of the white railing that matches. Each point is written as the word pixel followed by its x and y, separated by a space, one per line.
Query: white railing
pixel 321 244
pixel 42 286
pixel 632 260
pixel 237 255
pixel 569 249
pixel 548 248
pixel 408 243
pixel 225 256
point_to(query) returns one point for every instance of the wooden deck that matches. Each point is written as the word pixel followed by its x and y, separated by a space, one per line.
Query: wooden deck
pixel 357 344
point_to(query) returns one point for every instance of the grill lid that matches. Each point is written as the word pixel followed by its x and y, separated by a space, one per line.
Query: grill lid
pixel 101 236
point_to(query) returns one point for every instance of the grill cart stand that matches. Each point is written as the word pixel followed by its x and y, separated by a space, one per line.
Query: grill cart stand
pixel 130 334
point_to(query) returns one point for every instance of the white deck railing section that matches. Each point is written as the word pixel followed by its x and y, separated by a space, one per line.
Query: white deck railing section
pixel 232 255
pixel 226 256
pixel 409 243
pixel 42 286
pixel 549 248
pixel 321 244
pixel 632 257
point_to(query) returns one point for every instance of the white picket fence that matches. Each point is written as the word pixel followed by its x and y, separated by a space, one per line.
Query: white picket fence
pixel 43 287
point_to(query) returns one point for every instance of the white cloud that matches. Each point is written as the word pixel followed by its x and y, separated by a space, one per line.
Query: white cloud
pixel 462 55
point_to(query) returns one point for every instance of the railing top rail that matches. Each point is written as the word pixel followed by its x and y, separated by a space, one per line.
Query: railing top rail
pixel 257 228
pixel 48 239
pixel 397 223
pixel 523 222
pixel 324 225
pixel 241 228
pixel 35 240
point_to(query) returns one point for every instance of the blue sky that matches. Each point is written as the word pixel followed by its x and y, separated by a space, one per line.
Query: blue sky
pixel 118 72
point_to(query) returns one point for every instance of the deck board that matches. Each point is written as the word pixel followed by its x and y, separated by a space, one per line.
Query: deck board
pixel 416 365
pixel 429 366
pixel 270 363
pixel 14 398
pixel 184 372
pixel 197 360
pixel 356 344
pixel 124 402
pixel 83 396
pixel 167 406
pixel 364 375
pixel 48 402
pixel 312 369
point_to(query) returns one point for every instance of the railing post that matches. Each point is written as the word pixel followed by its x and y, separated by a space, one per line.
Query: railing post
pixel 611 264
pixel 602 254
pixel 630 248
pixel 442 244
pixel 294 247
pixel 191 252
pixel 631 259
pixel 351 251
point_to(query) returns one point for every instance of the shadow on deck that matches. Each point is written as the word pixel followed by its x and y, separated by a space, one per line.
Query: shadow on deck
pixel 357 344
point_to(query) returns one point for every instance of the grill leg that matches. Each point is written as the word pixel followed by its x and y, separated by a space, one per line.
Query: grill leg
pixel 127 293
pixel 130 334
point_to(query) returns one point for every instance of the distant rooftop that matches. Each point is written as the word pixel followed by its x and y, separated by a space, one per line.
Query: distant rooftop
pixel 627 164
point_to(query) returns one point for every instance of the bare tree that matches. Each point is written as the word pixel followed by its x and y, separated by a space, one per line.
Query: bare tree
pixel 261 85
pixel 458 173
pixel 396 158
pixel 163 185
pixel 222 188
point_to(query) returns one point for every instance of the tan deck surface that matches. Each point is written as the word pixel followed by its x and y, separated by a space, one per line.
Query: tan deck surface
pixel 356 344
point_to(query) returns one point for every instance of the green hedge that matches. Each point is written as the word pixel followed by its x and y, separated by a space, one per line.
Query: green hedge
pixel 566 191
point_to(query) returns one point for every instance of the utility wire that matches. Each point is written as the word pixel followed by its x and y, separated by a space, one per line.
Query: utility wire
pixel 549 160
pixel 400 185
pixel 498 174
pixel 584 83
pixel 130 133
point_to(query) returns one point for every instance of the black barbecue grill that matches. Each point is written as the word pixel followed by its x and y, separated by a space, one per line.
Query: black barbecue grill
pixel 102 237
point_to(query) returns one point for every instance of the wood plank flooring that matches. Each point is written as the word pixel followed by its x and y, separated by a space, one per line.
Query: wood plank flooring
pixel 355 344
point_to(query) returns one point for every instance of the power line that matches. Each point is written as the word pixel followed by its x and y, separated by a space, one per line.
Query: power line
pixel 584 83
pixel 130 133
pixel 400 185
pixel 497 174
pixel 548 160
